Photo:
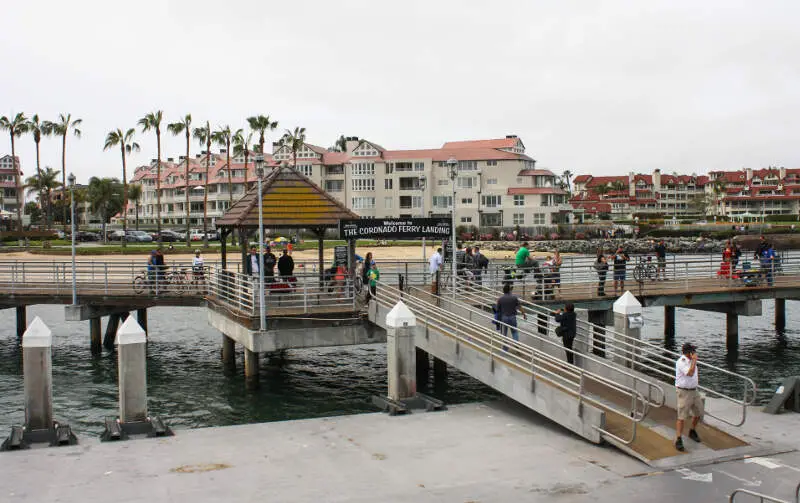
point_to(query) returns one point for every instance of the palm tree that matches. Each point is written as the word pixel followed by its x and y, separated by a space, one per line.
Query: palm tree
pixel 718 188
pixel 204 136
pixel 61 128
pixel 224 136
pixel 43 185
pixel 16 127
pixel 126 146
pixel 618 185
pixel 241 147
pixel 294 141
pixel 152 121
pixel 135 195
pixel 566 176
pixel 600 190
pixel 38 128
pixel 103 194
pixel 185 127
pixel 261 124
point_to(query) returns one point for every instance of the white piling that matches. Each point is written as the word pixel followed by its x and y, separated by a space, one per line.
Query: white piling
pixel 628 321
pixel 38 369
pixel 401 352
pixel 132 365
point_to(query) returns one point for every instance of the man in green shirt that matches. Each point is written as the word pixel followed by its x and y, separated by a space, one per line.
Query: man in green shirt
pixel 522 255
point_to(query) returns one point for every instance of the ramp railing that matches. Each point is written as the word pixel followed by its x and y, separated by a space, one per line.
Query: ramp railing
pixel 653 360
pixel 507 351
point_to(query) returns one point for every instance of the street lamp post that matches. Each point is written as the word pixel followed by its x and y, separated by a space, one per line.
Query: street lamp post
pixel 452 165
pixel 71 182
pixel 262 308
pixel 422 181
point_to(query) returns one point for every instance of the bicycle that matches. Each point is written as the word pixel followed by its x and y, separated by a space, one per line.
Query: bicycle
pixel 198 281
pixel 644 270
pixel 178 281
pixel 147 281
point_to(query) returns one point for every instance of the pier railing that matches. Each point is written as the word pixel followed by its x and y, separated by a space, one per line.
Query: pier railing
pixel 649 358
pixel 507 351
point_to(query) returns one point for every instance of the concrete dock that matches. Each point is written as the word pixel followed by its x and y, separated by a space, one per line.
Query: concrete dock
pixel 495 452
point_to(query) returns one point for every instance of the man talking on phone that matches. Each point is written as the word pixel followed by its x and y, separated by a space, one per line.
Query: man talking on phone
pixel 689 400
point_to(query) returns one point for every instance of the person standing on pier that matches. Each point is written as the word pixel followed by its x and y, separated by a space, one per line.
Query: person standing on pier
pixel 254 261
pixel 690 403
pixel 767 263
pixel 269 265
pixel 556 270
pixel 508 305
pixel 286 265
pixel 435 268
pixel 661 258
pixel 620 266
pixel 567 329
pixel 480 263
pixel 601 266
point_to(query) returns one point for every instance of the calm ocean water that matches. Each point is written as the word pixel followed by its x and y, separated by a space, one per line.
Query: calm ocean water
pixel 188 386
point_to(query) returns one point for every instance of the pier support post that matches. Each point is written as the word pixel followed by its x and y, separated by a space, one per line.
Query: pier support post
pixel 141 317
pixel 111 330
pixel 228 352
pixel 22 321
pixel 732 331
pixel 628 322
pixel 400 352
pixel 669 323
pixel 423 362
pixel 780 315
pixel 95 334
pixel 37 367
pixel 251 366
pixel 132 367
pixel 439 371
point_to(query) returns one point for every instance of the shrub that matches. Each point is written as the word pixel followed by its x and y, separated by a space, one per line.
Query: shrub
pixel 539 237
pixel 554 236
pixel 580 235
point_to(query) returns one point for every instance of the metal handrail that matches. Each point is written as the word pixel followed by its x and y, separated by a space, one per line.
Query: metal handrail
pixel 646 352
pixel 761 497
pixel 658 402
pixel 538 359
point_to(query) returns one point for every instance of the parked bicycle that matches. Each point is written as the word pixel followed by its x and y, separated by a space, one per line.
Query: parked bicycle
pixel 644 269
pixel 175 281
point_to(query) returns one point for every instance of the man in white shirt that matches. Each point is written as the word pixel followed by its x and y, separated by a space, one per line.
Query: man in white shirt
pixel 689 400
pixel 435 266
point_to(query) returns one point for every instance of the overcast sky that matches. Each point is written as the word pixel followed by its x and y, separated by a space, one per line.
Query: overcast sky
pixel 594 87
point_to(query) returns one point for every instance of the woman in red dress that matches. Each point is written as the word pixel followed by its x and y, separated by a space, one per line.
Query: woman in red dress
pixel 725 267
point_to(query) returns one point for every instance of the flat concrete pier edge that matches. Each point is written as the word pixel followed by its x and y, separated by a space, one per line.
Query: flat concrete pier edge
pixel 494 452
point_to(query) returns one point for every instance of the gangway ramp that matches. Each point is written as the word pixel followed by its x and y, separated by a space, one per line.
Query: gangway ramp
pixel 596 407
pixel 649 363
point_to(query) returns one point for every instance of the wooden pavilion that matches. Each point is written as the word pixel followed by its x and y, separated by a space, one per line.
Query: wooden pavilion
pixel 289 201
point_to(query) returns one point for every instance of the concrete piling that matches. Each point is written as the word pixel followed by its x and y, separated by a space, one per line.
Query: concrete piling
pixel 22 320
pixel 669 323
pixel 38 369
pixel 251 366
pixel 111 330
pixel 228 352
pixel 627 321
pixel 780 315
pixel 598 342
pixel 732 331
pixel 132 366
pixel 401 354
pixel 141 317
pixel 423 363
pixel 95 334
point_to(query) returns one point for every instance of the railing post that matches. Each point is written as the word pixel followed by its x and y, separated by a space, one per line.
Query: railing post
pixel 105 275
pixel 305 295
pixel 686 272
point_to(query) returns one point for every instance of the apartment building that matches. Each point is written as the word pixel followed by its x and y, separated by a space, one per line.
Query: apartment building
pixel 496 185
pixel 749 193
pixel 8 183
pixel 627 196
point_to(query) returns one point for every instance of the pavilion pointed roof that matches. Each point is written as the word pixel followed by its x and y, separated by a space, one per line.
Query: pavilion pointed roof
pixel 289 200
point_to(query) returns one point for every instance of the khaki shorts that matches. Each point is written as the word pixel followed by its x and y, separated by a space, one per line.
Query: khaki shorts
pixel 690 403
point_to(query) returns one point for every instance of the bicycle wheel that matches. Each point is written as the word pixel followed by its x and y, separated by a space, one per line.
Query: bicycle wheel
pixel 139 285
pixel 638 274
pixel 358 284
pixel 651 272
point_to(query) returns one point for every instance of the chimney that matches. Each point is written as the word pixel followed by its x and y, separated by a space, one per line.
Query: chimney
pixel 509 136
pixel 748 174
pixel 656 180
pixel 782 172
pixel 351 142
pixel 153 160
pixel 197 156
pixel 631 184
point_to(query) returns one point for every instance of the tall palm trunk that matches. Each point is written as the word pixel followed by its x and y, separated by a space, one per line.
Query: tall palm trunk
pixel 230 171
pixel 186 179
pixel 64 176
pixel 124 197
pixel 246 155
pixel 42 202
pixel 158 185
pixel 205 192
pixel 136 210
pixel 18 180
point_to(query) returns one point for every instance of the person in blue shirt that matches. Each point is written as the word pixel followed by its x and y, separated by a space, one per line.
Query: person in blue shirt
pixel 768 263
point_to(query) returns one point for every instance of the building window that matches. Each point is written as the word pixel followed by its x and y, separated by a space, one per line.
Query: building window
pixel 491 163
pixel 467 165
pixel 305 170
pixel 465 182
pixel 519 200
pixel 442 201
pixel 404 166
pixel 387 203
pixel 419 166
pixel 466 220
pixel 363 184
pixel 518 219
pixel 363 169
pixel 491 201
pixel 334 170
pixel 388 184
pixel 466 200
pixel 442 181
pixel 334 185
pixel 538 218
pixel 389 168
pixel 363 203
pixel 491 181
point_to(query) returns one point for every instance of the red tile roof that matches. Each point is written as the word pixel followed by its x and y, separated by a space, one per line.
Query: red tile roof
pixel 535 172
pixel 593 207
pixel 496 143
pixel 581 178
